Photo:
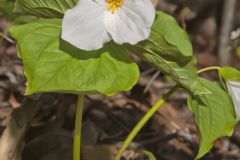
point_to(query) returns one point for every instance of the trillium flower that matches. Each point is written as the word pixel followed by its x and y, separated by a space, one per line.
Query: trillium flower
pixel 234 90
pixel 92 23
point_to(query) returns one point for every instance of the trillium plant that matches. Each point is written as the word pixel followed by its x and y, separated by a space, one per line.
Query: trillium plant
pixel 84 47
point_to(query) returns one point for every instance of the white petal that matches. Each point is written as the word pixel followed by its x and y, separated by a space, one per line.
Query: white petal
pixel 132 22
pixel 234 90
pixel 102 2
pixel 83 26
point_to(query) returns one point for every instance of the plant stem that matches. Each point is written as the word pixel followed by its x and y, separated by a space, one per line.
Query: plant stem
pixel 208 69
pixel 78 126
pixel 143 121
pixel 150 113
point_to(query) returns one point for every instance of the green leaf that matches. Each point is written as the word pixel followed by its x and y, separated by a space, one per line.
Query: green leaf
pixel 169 49
pixel 54 65
pixel 6 8
pixel 229 73
pixel 214 115
pixel 44 8
pixel 166 30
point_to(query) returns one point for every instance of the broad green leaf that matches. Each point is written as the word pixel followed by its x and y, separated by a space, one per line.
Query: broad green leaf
pixel 214 115
pixel 165 28
pixel 167 38
pixel 6 8
pixel 229 73
pixel 169 49
pixel 44 8
pixel 54 65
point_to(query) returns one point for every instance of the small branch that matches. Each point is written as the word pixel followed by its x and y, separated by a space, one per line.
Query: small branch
pixel 226 28
pixel 11 141
pixel 6 38
pixel 151 81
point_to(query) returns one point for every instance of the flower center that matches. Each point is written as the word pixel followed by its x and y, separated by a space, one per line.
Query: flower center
pixel 114 4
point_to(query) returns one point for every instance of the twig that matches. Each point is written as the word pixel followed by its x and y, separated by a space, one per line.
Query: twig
pixel 7 38
pixel 151 81
pixel 226 28
pixel 11 139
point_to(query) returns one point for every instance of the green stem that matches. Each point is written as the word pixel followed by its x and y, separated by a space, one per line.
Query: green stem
pixel 214 68
pixel 78 126
pixel 143 121
pixel 150 113
pixel 208 69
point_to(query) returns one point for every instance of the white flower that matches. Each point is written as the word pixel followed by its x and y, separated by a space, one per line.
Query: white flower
pixel 94 22
pixel 235 34
pixel 234 90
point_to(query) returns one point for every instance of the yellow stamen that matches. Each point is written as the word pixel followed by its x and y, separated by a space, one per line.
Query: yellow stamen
pixel 114 4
